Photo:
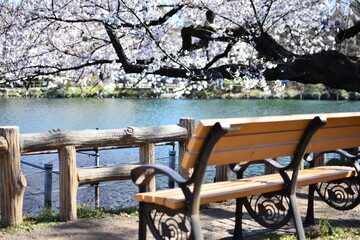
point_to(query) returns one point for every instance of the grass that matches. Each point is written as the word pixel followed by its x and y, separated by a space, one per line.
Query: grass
pixel 323 231
pixel 50 217
pixel 42 219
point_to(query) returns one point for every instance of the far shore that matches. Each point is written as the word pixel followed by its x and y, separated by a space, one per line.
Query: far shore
pixel 140 93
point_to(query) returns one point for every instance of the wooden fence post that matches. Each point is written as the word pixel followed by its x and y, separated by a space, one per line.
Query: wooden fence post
pixel 68 183
pixel 269 169
pixel 12 181
pixel 189 124
pixel 147 155
pixel 222 173
pixel 321 161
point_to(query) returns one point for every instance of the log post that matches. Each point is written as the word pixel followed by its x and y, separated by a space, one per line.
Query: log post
pixel 12 181
pixel 321 161
pixel 147 155
pixel 269 169
pixel 189 124
pixel 68 183
pixel 222 173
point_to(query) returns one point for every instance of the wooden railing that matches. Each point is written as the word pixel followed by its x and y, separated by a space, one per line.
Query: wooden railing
pixel 13 145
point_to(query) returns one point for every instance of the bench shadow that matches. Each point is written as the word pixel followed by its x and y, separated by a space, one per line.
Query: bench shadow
pixel 347 220
pixel 92 230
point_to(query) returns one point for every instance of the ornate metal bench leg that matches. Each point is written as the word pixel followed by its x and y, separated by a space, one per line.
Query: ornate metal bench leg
pixel 297 218
pixel 196 227
pixel 342 194
pixel 309 220
pixel 238 219
pixel 142 222
pixel 166 223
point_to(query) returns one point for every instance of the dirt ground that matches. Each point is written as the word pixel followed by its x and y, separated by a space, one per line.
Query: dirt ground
pixel 217 221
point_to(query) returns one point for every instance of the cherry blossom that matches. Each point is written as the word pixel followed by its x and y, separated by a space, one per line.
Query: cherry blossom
pixel 253 40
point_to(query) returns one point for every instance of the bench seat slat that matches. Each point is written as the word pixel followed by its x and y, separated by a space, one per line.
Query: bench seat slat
pixel 219 191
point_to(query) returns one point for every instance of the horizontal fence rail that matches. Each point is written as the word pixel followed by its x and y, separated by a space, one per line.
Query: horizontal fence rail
pixel 57 138
pixel 93 175
pixel 66 143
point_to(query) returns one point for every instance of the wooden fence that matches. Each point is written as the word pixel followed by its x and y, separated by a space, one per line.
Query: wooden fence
pixel 13 145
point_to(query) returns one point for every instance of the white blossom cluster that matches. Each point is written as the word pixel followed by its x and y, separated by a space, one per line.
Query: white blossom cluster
pixel 50 36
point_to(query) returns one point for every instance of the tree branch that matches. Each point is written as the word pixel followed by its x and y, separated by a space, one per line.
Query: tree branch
pixel 167 16
pixel 128 67
pixel 347 33
pixel 330 68
pixel 222 55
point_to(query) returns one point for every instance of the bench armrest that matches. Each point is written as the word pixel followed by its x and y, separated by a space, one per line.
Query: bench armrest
pixel 353 159
pixel 341 152
pixel 143 174
pixel 240 169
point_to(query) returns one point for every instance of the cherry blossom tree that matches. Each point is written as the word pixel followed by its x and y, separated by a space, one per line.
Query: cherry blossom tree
pixel 249 42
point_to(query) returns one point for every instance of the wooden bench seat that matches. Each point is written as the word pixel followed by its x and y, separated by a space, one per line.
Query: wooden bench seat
pixel 220 191
pixel 240 143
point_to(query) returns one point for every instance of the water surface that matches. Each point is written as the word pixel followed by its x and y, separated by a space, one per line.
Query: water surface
pixel 39 115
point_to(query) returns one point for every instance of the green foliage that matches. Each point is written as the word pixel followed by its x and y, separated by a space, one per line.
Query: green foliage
pixel 134 93
pixel 132 211
pixel 287 237
pixel 341 161
pixel 130 93
pixel 86 212
pixel 325 228
pixel 54 93
pixel 323 231
pixel 45 215
pixel 201 94
pixel 68 89
pixel 42 219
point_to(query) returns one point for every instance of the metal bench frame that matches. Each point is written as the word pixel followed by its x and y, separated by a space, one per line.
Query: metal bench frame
pixel 185 222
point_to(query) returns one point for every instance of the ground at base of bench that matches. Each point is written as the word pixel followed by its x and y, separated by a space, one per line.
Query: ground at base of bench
pixel 217 223
pixel 218 219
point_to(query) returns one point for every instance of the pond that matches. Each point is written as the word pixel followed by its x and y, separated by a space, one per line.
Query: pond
pixel 39 115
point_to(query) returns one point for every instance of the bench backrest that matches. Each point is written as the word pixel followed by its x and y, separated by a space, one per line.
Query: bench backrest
pixel 276 136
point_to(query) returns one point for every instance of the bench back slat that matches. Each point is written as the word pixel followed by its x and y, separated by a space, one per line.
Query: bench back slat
pixel 276 136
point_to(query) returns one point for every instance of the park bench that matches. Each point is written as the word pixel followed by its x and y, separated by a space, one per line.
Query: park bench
pixel 270 198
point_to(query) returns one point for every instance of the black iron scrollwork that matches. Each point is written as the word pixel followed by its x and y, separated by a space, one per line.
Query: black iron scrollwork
pixel 341 194
pixel 175 226
pixel 271 210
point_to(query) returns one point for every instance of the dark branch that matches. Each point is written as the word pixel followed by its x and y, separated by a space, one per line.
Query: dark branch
pixel 159 21
pixel 270 49
pixel 128 67
pixel 222 55
pixel 348 33
pixel 43 70
pixel 164 18
pixel 150 23
pixel 330 68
